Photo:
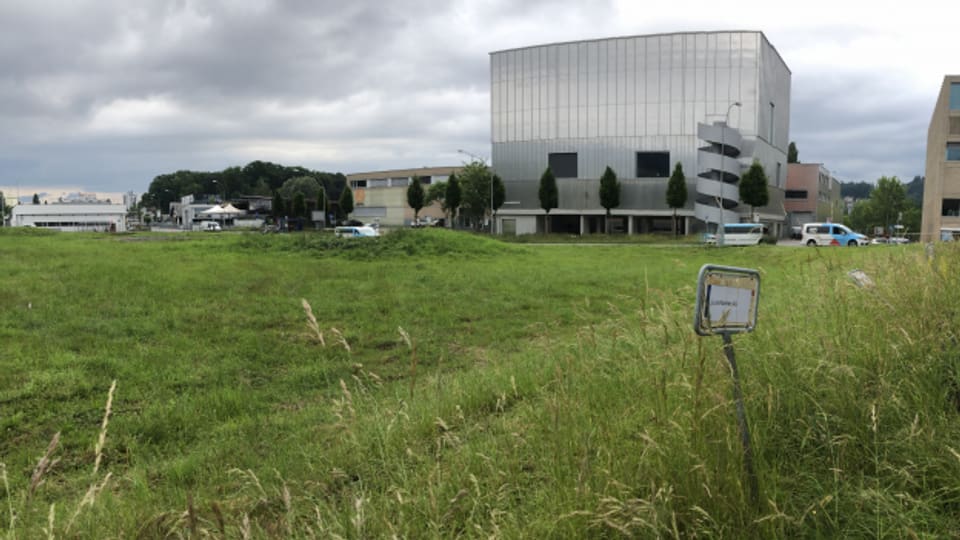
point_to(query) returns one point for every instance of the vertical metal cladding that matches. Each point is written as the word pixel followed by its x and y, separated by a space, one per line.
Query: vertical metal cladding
pixel 718 184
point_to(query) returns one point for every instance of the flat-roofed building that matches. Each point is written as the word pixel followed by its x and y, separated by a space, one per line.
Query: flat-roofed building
pixel 812 194
pixel 92 217
pixel 381 196
pixel 941 189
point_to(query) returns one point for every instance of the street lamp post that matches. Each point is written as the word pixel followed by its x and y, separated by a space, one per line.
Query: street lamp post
pixel 484 161
pixel 723 154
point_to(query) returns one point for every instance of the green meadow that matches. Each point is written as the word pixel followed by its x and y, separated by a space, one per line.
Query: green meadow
pixel 434 384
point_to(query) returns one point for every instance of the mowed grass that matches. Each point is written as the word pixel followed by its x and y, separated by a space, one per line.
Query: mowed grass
pixel 457 386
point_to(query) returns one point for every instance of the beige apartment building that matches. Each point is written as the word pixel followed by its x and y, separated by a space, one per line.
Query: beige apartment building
pixel 941 190
pixel 381 196
pixel 812 194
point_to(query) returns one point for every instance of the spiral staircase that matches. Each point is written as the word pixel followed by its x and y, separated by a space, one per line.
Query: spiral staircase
pixel 718 191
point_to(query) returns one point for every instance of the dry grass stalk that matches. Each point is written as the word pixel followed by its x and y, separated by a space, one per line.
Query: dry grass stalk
pixel 89 498
pixel 103 428
pixel 51 519
pixel 44 465
pixel 6 490
pixel 342 340
pixel 413 358
pixel 312 321
pixel 245 527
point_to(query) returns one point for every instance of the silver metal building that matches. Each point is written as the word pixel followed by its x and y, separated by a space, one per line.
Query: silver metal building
pixel 639 105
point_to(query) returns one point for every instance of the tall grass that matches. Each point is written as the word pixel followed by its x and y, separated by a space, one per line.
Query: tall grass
pixel 531 392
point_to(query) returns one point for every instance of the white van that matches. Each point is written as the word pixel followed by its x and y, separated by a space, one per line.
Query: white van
pixel 737 234
pixel 831 234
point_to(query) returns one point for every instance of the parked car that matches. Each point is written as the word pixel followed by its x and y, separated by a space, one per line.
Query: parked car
pixel 209 226
pixel 355 232
pixel 831 234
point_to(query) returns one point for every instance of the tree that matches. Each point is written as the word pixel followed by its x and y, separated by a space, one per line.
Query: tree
pixel 452 197
pixel 279 208
pixel 677 192
pixel 549 196
pixel 792 154
pixel 299 205
pixel 609 194
pixel 889 200
pixel 415 197
pixel 499 192
pixel 888 205
pixel 346 202
pixel 36 199
pixel 307 185
pixel 753 187
pixel 474 180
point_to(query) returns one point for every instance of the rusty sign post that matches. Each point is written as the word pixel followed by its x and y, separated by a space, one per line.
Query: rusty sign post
pixel 727 302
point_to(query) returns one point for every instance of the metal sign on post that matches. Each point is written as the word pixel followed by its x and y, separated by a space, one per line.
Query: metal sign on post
pixel 727 303
pixel 727 300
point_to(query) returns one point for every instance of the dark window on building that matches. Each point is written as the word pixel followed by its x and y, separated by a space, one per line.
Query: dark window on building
pixel 953 151
pixel 563 165
pixel 955 125
pixel 951 208
pixel 653 164
pixel 954 96
pixel 358 184
pixel 795 194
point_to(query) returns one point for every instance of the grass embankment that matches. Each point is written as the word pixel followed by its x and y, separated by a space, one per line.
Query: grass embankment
pixel 458 386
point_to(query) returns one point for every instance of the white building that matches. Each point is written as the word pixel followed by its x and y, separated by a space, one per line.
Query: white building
pixel 71 217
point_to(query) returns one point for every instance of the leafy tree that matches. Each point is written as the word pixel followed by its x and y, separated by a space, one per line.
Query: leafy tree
pixel 346 202
pixel 36 199
pixel 475 186
pixel 549 196
pixel 299 206
pixel 753 187
pixel 887 206
pixel 792 155
pixel 452 197
pixel 415 197
pixel 861 216
pixel 279 208
pixel 677 192
pixel 609 194
pixel 307 185
pixel 499 192
pixel 889 200
pixel 435 192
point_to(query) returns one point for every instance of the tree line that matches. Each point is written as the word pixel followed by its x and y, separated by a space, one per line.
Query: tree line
pixel 257 178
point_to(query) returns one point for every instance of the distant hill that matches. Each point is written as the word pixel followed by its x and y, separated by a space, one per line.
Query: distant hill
pixel 861 190
pixel 915 190
pixel 857 190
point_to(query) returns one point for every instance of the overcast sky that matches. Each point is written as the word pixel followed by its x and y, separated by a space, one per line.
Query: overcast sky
pixel 103 95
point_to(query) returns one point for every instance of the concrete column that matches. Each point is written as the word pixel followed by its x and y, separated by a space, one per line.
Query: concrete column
pixel 583 221
pixel 630 225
